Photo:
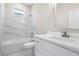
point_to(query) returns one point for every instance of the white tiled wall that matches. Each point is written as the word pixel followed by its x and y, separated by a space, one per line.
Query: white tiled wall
pixel 12 27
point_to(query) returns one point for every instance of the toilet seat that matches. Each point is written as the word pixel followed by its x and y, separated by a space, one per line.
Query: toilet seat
pixel 29 45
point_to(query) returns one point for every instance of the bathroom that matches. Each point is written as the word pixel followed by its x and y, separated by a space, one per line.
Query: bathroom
pixel 39 29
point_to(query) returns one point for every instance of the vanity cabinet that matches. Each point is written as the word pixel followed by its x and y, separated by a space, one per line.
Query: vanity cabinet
pixel 46 48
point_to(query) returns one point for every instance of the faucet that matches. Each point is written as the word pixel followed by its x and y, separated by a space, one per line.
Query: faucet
pixel 30 35
pixel 65 35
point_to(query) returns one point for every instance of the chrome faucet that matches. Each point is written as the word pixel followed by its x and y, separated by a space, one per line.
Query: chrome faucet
pixel 30 35
pixel 65 35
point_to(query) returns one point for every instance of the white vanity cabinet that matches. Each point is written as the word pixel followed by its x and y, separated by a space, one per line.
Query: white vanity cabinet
pixel 46 48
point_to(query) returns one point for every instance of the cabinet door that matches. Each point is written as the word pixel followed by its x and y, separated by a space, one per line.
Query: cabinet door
pixel 55 50
pixel 41 49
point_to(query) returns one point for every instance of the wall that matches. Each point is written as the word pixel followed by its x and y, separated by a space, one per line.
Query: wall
pixel 44 23
pixel 15 27
pixel 43 17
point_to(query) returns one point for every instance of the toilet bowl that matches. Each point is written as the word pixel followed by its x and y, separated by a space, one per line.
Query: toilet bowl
pixel 29 49
pixel 29 45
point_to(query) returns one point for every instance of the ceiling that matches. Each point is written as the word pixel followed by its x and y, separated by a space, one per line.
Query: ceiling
pixel 29 4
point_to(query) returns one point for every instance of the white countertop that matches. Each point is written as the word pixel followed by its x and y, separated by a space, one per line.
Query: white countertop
pixel 68 43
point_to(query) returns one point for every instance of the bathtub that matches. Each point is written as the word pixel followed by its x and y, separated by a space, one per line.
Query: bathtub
pixel 13 46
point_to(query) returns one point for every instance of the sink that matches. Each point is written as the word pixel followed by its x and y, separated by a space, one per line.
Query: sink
pixel 74 41
pixel 64 39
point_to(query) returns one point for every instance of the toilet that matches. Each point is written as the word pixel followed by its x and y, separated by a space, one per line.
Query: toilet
pixel 29 49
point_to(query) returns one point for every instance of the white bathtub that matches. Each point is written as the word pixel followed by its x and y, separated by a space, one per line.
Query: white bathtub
pixel 14 45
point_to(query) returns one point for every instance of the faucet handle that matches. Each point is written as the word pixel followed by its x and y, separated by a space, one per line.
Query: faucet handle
pixel 65 35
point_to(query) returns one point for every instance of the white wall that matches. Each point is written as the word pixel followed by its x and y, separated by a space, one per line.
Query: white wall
pixel 43 17
pixel 14 27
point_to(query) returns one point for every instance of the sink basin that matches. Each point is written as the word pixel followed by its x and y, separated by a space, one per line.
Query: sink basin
pixel 65 39
pixel 72 41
